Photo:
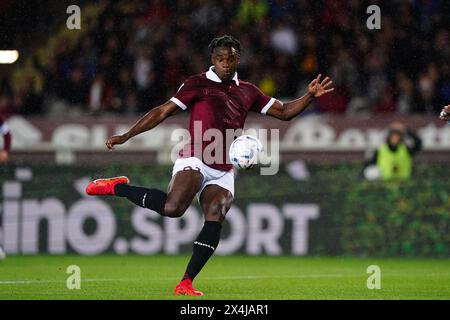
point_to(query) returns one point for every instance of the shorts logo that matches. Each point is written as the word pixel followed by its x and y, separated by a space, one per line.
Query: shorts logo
pixel 190 168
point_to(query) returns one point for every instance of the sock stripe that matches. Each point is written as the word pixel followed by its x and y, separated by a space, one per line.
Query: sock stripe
pixel 205 245
pixel 143 200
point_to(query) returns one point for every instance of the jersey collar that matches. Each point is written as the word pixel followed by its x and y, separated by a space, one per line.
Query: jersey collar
pixel 211 75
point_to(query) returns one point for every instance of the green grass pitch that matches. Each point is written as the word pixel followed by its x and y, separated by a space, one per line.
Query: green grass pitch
pixel 224 277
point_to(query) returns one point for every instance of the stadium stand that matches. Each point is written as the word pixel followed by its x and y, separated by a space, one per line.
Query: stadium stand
pixel 132 55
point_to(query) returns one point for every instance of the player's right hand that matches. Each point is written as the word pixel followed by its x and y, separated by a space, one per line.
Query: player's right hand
pixel 445 113
pixel 3 156
pixel 115 140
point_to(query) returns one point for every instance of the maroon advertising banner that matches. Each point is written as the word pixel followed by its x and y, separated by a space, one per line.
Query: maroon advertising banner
pixel 323 138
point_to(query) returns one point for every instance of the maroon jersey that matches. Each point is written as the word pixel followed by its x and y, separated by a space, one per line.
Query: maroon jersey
pixel 218 105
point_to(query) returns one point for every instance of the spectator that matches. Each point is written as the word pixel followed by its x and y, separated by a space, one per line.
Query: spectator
pixel 283 38
pixel 405 101
pixel 386 102
pixel 100 95
pixel 251 11
pixel 157 42
pixel 268 85
pixel 428 101
pixel 207 15
pixel 281 9
pixel 6 106
pixel 124 93
pixel 393 159
pixel 75 88
pixel 27 100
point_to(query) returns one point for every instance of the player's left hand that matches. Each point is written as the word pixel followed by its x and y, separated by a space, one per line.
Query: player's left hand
pixel 318 88
pixel 445 113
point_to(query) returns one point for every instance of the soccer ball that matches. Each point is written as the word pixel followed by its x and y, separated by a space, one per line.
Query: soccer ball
pixel 245 151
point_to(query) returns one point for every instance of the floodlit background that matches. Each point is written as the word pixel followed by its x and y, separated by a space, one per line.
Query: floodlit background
pixel 64 90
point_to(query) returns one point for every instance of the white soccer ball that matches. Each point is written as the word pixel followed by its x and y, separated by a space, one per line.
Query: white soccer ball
pixel 245 151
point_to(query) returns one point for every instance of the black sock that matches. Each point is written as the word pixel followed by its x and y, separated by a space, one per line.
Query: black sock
pixel 153 199
pixel 204 246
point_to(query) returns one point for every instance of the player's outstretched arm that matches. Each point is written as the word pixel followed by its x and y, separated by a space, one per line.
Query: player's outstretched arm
pixel 4 154
pixel 291 109
pixel 150 120
pixel 445 113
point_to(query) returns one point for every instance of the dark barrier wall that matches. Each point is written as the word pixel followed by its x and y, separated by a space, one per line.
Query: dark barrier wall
pixel 303 210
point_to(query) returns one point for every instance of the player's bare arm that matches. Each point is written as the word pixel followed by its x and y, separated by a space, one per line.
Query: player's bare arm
pixel 150 120
pixel 3 156
pixel 445 113
pixel 291 109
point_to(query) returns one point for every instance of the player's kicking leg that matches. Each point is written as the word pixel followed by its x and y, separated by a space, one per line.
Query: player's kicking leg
pixel 215 202
pixel 182 189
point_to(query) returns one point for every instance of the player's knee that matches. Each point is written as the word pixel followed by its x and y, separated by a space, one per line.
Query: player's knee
pixel 173 210
pixel 217 209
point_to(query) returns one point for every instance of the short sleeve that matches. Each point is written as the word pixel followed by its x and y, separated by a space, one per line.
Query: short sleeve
pixel 261 102
pixel 4 129
pixel 187 94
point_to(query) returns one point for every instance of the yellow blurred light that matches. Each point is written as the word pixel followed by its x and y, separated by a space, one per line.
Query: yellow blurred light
pixel 8 56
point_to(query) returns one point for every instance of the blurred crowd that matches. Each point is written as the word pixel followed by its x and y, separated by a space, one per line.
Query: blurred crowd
pixel 135 54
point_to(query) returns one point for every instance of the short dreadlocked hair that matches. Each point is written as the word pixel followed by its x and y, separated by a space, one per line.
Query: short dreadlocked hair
pixel 225 41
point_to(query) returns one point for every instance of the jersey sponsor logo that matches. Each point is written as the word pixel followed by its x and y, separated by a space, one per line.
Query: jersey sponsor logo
pixel 214 92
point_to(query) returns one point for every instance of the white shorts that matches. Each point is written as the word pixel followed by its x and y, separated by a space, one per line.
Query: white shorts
pixel 224 179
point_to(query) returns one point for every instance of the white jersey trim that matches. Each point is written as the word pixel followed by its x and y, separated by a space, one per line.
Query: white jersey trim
pixel 268 105
pixel 178 103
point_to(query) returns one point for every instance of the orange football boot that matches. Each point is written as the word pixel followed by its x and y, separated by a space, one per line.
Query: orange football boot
pixel 104 187
pixel 185 288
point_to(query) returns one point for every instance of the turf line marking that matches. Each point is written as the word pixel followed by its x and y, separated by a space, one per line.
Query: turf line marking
pixel 7 282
